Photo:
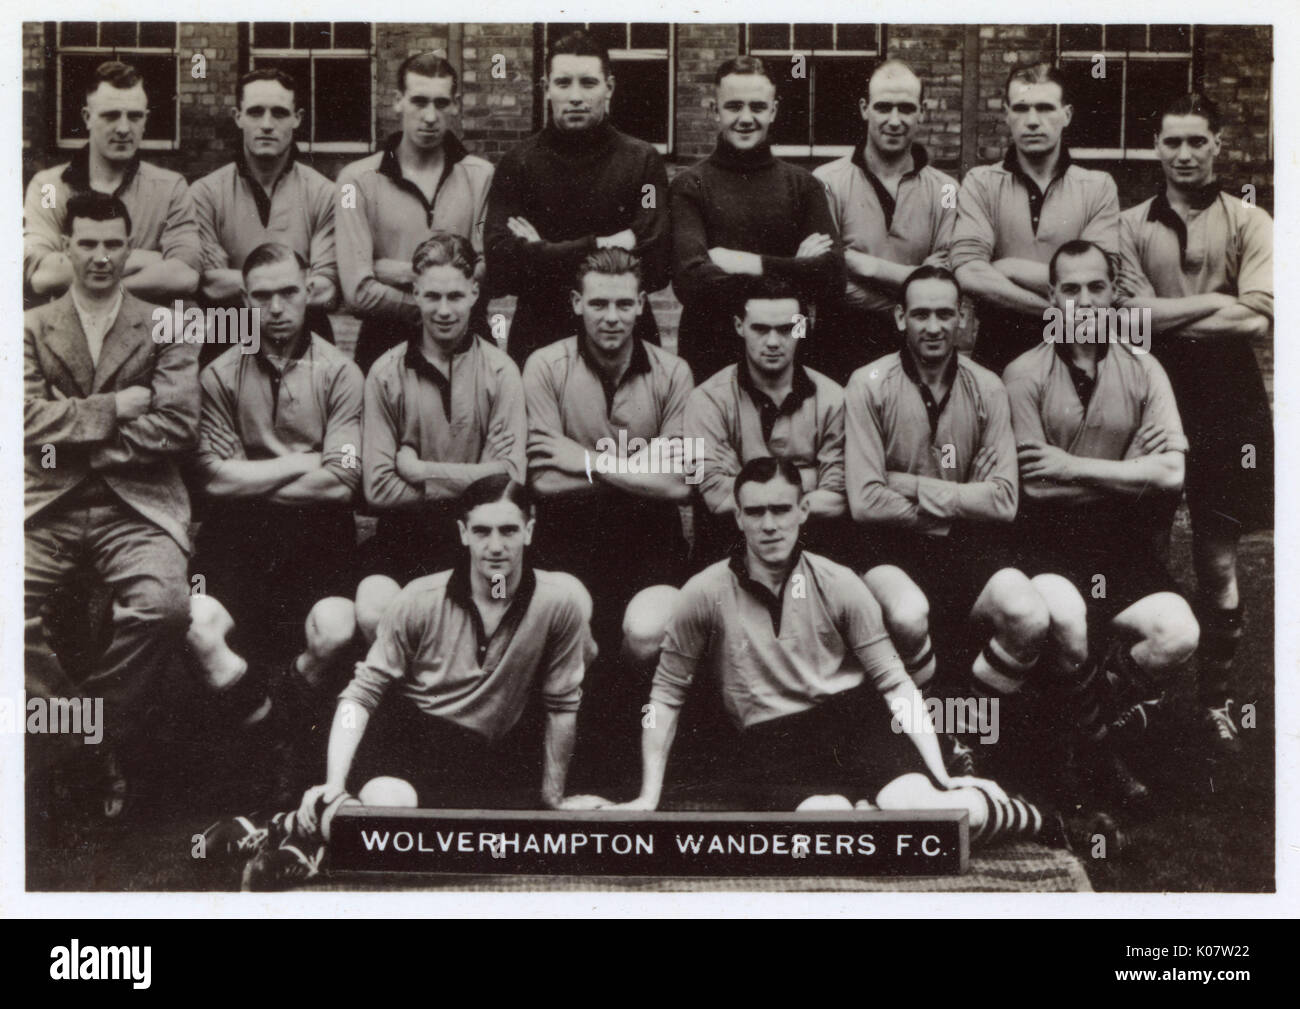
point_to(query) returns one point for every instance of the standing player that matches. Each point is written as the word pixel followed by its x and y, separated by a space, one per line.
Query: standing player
pixel 267 195
pixel 1013 215
pixel 442 411
pixel 577 186
pixel 605 455
pixel 742 212
pixel 894 210
pixel 1101 447
pixel 1201 261
pixel 164 257
pixel 768 405
pixel 424 180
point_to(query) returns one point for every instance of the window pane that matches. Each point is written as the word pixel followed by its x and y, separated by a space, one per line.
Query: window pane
pixel 117 33
pixel 641 102
pixel 769 37
pixel 1132 37
pixel 311 35
pixel 299 68
pixel 858 37
pixel 77 72
pixel 1096 104
pixel 1152 84
pixel 793 95
pixel 838 83
pixel 342 100
pixel 79 33
pixel 351 35
pixel 1080 38
pixel 158 34
pixel 271 35
pixel 611 36
pixel 814 37
pixel 159 73
pixel 1171 38
pixel 650 36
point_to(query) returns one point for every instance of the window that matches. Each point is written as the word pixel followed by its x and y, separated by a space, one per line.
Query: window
pixel 641 60
pixel 1120 76
pixel 331 62
pixel 820 72
pixel 149 46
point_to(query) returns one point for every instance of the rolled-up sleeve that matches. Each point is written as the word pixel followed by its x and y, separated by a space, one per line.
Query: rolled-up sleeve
pixel 341 446
pixel 566 646
pixel 973 233
pixel 685 642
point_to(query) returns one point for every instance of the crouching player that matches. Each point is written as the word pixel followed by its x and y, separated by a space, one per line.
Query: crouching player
pixel 808 674
pixel 447 679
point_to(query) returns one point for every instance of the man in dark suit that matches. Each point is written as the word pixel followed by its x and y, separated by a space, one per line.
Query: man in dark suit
pixel 107 411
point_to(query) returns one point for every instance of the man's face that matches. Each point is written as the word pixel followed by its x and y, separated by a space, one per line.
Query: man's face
pixel 746 108
pixel 892 111
pixel 427 108
pixel 1084 280
pixel 579 92
pixel 1036 117
pixel 1187 150
pixel 929 320
pixel 279 292
pixel 445 297
pixel 115 119
pixel 496 535
pixel 770 516
pixel 98 250
pixel 267 118
pixel 768 330
pixel 609 306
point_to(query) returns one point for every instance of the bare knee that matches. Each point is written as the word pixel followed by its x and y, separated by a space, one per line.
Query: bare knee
pixel 1172 633
pixel 903 605
pixel 330 627
pixel 375 594
pixel 1016 609
pixel 645 621
pixel 1067 614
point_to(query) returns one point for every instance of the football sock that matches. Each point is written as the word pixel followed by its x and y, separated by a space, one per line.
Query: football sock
pixel 997 673
pixel 1220 632
pixel 1084 702
pixel 1009 818
pixel 921 664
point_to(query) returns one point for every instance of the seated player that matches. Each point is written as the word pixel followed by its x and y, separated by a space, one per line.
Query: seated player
pixel 443 409
pixel 606 459
pixel 1101 449
pixel 931 477
pixel 797 646
pixel 768 405
pixel 449 675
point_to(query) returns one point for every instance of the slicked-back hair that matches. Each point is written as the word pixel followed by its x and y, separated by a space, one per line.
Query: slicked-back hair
pixel 427 65
pixel 1194 104
pixel 443 248
pixel 272 252
pixel 765 469
pixel 490 490
pixel 115 74
pixel 578 43
pixel 1036 73
pixel 265 74
pixel 891 64
pixel 743 65
pixel 96 207
pixel 767 287
pixel 928 273
pixel 611 262
pixel 1074 249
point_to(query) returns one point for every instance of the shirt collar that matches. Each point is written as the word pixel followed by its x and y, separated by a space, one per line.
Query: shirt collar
pixel 297 351
pixel 801 388
pixel 771 601
pixel 638 364
pixel 1162 211
pixel 577 143
pixel 1062 350
pixel 453 151
pixel 1012 164
pixel 77 174
pixel 920 158
pixel 460 593
pixel 241 165
pixel 85 310
pixel 911 371
pixel 728 157
pixel 421 365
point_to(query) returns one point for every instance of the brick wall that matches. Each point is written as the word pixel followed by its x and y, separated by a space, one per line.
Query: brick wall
pixel 1238 77
pixel 700 48
pixel 935 53
pixel 35 106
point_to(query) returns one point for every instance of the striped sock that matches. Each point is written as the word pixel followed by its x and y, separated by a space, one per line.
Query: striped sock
pixel 1014 817
pixel 1221 630
pixel 921 664
pixel 997 673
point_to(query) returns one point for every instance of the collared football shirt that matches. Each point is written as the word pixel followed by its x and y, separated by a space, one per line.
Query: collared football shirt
pixel 447 421
pixel 892 425
pixel 775 655
pixel 738 423
pixel 432 648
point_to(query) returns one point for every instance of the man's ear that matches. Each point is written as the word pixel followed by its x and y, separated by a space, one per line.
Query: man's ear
pixel 576 296
pixel 85 115
pixel 900 317
pixel 397 100
pixel 529 526
pixel 464 532
pixel 805 509
pixel 864 108
pixel 234 114
pixel 776 106
pixel 640 302
pixel 739 323
pixel 1069 114
pixel 609 98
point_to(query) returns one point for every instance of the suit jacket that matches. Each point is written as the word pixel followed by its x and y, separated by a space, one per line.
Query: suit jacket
pixel 70 425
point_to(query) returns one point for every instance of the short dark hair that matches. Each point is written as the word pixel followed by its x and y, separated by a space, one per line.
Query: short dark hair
pixel 443 248
pixel 578 43
pixel 96 207
pixel 610 262
pixel 767 287
pixel 272 252
pixel 928 273
pixel 1193 104
pixel 265 74
pixel 491 489
pixel 890 64
pixel 427 65
pixel 1036 73
pixel 765 469
pixel 1075 248
pixel 115 74
pixel 742 65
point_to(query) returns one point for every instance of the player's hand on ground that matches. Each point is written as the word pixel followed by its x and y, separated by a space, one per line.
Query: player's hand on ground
pixel 407 464
pixel 583 802
pixel 816 244
pixel 306 822
pixel 521 228
pixel 132 402
pixel 1151 439
pixel 1043 462
pixel 625 239
pixel 984 465
pixel 987 785
pixel 637 805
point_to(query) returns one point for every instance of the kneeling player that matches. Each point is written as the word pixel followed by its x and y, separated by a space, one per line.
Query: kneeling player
pixel 797 645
